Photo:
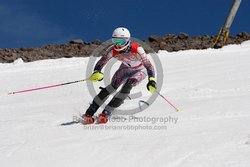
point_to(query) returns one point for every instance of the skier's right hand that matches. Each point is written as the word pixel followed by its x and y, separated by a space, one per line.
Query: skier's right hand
pixel 97 76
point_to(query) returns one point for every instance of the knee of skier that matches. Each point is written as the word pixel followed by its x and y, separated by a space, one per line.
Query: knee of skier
pixel 115 84
pixel 132 82
pixel 128 86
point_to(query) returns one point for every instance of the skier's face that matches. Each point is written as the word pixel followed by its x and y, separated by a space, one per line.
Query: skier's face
pixel 118 46
pixel 120 43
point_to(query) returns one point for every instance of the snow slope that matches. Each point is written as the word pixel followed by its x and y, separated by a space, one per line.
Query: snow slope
pixel 211 88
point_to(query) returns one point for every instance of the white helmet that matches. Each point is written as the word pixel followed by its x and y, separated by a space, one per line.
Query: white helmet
pixel 121 38
pixel 121 32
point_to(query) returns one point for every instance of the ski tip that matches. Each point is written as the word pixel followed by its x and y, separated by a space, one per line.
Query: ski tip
pixel 11 93
pixel 177 110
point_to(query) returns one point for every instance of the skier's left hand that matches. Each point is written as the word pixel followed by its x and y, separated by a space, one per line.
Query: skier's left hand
pixel 151 86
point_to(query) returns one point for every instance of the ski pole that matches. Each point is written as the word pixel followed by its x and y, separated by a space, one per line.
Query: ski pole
pixel 47 87
pixel 168 101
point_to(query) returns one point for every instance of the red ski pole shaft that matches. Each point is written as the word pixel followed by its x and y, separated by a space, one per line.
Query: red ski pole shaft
pixel 47 87
pixel 168 101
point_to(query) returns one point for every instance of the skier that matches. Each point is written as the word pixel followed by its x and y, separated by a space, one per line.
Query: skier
pixel 134 68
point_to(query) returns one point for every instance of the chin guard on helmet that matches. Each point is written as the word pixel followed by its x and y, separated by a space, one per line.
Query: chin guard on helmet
pixel 119 47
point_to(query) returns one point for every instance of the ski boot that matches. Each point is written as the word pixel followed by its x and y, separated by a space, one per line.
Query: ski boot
pixel 102 118
pixel 87 119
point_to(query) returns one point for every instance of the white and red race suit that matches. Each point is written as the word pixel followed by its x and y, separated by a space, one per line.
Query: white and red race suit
pixel 135 64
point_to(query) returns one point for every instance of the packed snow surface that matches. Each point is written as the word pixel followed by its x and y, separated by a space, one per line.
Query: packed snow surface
pixel 210 87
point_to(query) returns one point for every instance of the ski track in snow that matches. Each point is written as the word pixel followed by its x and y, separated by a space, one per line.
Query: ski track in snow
pixel 210 87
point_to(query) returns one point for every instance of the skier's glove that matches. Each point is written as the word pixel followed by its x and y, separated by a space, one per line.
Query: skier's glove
pixel 151 86
pixel 96 76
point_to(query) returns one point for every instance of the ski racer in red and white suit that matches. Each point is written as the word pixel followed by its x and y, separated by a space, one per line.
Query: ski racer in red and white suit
pixel 134 68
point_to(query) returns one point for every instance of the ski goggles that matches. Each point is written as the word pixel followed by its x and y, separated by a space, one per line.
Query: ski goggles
pixel 119 41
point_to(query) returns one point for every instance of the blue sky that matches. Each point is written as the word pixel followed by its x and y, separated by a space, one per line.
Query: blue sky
pixel 30 23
